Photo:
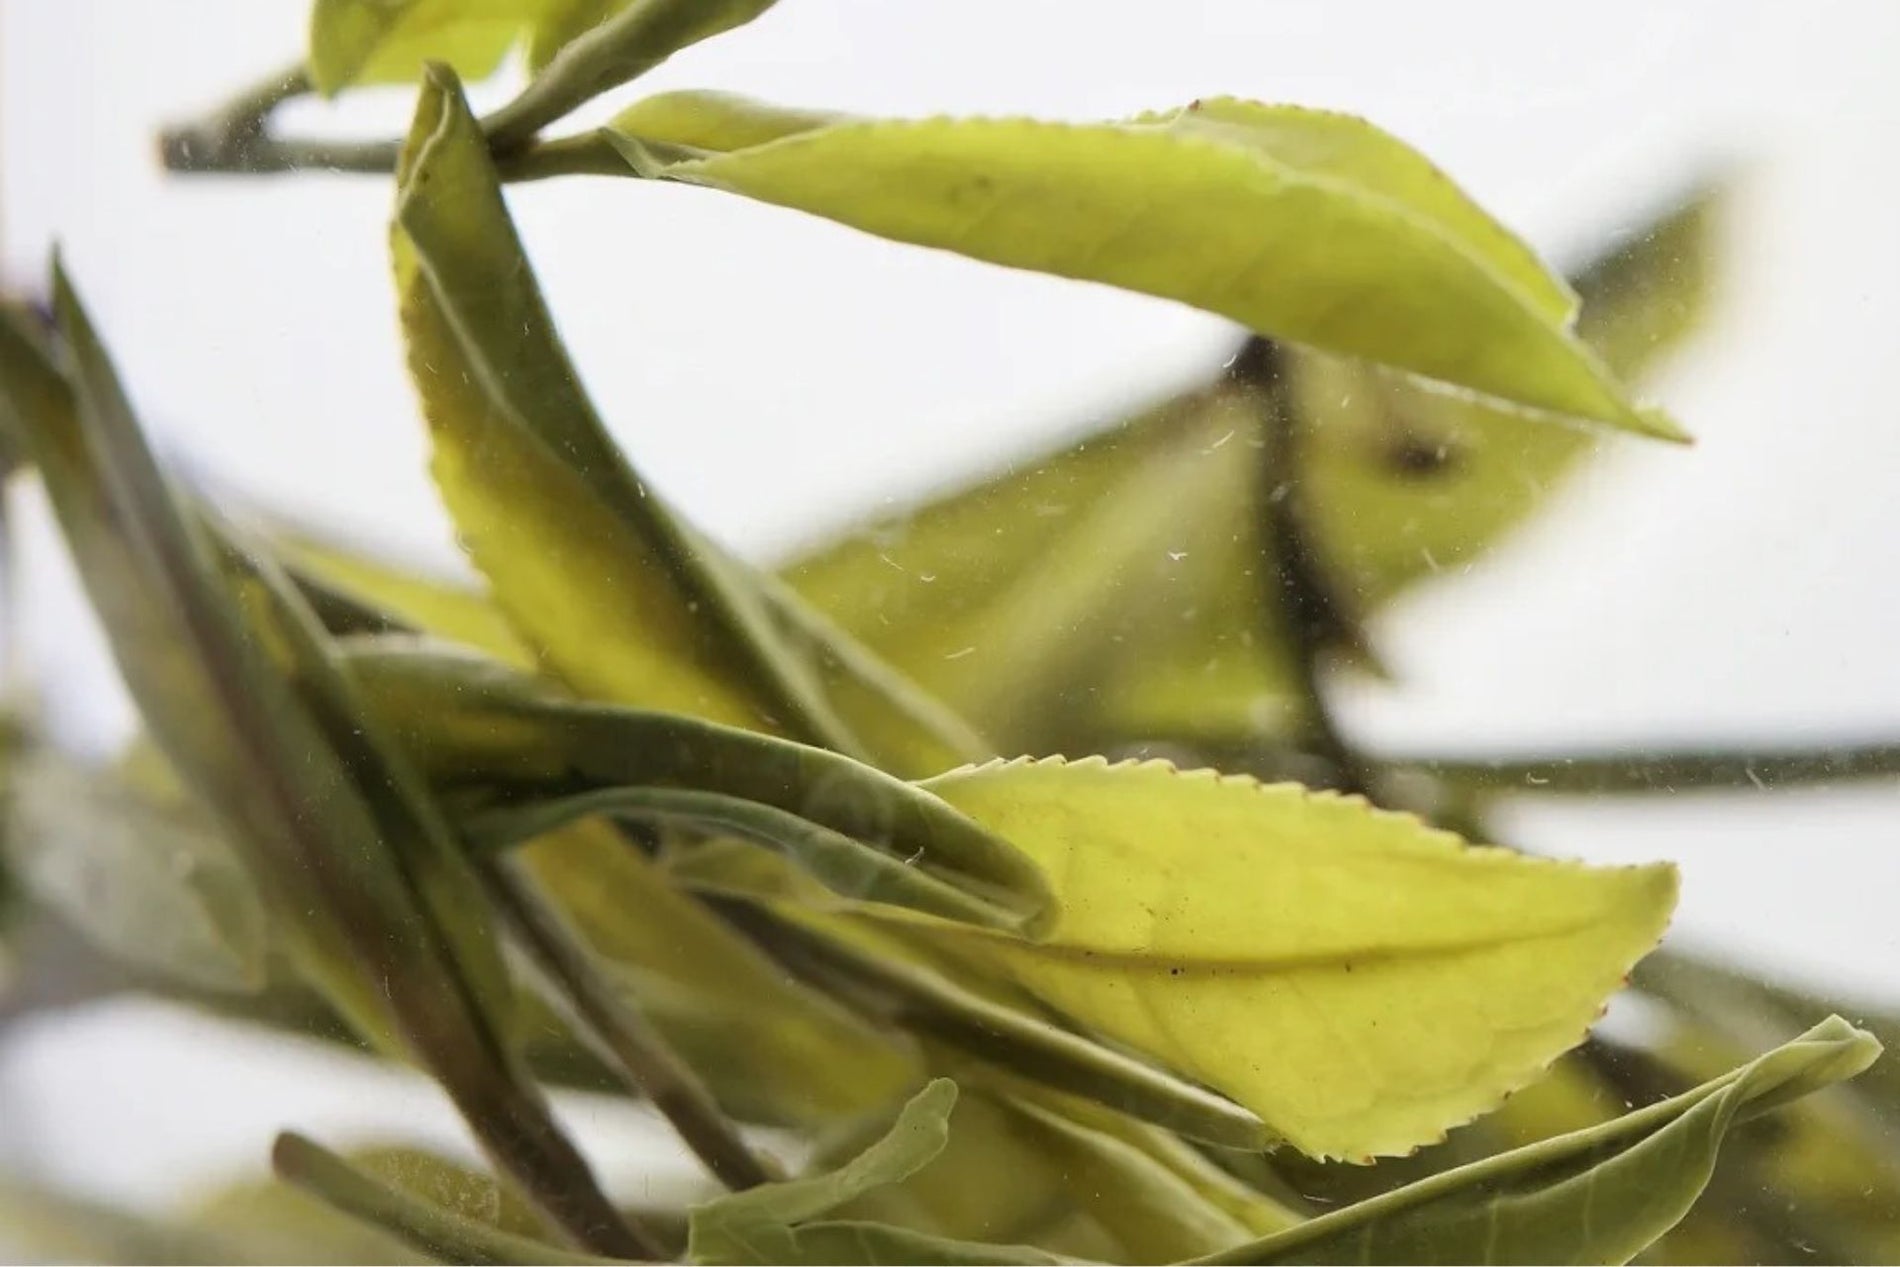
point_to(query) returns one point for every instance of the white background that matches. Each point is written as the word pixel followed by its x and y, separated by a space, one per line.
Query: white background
pixel 774 375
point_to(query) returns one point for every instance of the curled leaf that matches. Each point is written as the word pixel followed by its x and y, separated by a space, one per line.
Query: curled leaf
pixel 1601 1195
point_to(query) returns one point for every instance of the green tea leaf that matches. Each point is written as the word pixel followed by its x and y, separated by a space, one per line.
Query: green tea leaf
pixel 1402 981
pixel 771 1051
pixel 1597 1196
pixel 1404 485
pixel 240 688
pixel 1155 1213
pixel 1305 226
pixel 149 881
pixel 838 861
pixel 623 599
pixel 274 1222
pixel 753 1226
pixel 413 1219
pixel 389 41
pixel 40 1224
pixel 466 719
pixel 915 994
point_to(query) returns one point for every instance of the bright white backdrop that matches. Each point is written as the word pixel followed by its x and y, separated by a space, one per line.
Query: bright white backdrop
pixel 775 375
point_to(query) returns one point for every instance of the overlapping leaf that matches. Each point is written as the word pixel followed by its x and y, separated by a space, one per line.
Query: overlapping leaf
pixel 472 720
pixel 1598 1196
pixel 150 881
pixel 1359 980
pixel 1403 485
pixel 1305 226
pixel 625 600
pixel 240 689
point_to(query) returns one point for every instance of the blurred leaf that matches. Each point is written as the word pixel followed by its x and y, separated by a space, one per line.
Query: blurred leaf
pixel 1154 1213
pixel 442 607
pixel 1306 226
pixel 950 1004
pixel 388 41
pixel 242 692
pixel 777 1223
pixel 469 720
pixel 1404 485
pixel 42 1225
pixel 414 1217
pixel 1402 981
pixel 1597 1196
pixel 150 881
pixel 627 602
pixel 770 1050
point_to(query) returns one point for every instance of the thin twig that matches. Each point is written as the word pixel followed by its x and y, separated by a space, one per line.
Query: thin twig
pixel 1624 773
pixel 637 1051
pixel 1309 610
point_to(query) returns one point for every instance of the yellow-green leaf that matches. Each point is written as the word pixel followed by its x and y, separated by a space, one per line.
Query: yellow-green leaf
pixel 770 1050
pixel 469 720
pixel 243 692
pixel 1359 980
pixel 1307 227
pixel 1601 1195
pixel 1403 484
pixel 755 1226
pixel 389 41
pixel 414 1218
pixel 622 598
pixel 148 880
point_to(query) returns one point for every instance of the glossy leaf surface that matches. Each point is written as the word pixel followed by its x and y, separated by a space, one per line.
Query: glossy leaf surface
pixel 1402 980
pixel 1305 226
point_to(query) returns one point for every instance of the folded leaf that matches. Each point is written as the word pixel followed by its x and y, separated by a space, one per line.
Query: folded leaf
pixel 465 719
pixel 1596 1196
pixel 770 1050
pixel 754 1226
pixel 1309 227
pixel 149 881
pixel 1359 980
pixel 1001 1034
pixel 622 598
pixel 241 690
pixel 411 1218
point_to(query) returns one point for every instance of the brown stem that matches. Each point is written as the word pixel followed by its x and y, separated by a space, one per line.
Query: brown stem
pixel 636 1049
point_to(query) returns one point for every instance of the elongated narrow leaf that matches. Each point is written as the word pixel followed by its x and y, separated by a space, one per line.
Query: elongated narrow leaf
pixel 622 598
pixel 842 864
pixel 1598 1196
pixel 275 1222
pixel 1304 226
pixel 410 597
pixel 434 1229
pixel 150 881
pixel 1359 980
pixel 754 1226
pixel 994 1031
pixel 240 688
pixel 464 718
pixel 770 1050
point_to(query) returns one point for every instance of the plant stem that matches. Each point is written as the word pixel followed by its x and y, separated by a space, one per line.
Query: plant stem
pixel 638 1052
pixel 1617 773
pixel 1309 609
